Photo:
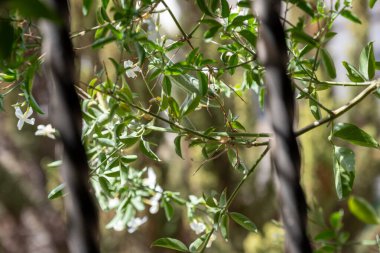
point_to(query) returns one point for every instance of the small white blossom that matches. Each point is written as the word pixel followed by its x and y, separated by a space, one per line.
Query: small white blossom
pixel 112 203
pixel 119 226
pixel 211 240
pixel 130 69
pixel 24 117
pixel 150 181
pixel 197 227
pixel 135 223
pixel 47 131
pixel 155 200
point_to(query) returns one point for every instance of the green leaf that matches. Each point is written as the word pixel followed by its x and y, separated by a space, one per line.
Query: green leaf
pixel 177 146
pixel 243 221
pixel 103 41
pixel 86 6
pixel 355 135
pixel 169 211
pixel 56 192
pixel 232 157
pixel 367 62
pixel 224 226
pixel 350 16
pixel 301 36
pixel 336 220
pixel 54 164
pixel 249 36
pixel 352 73
pixel 167 85
pixel 210 33
pixel 33 103
pixel 170 243
pixel 204 8
pixel 363 210
pixel 203 83
pixel 328 63
pixel 145 149
pixel 372 3
pixel 128 158
pixel 106 142
pixel 314 106
pixel 344 170
pixel 190 104
pixel 225 8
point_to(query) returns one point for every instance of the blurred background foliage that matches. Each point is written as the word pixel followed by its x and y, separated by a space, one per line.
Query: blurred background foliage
pixel 31 223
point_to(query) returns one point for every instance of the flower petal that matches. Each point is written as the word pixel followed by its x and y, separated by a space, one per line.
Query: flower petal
pixel 28 112
pixel 19 113
pixel 20 123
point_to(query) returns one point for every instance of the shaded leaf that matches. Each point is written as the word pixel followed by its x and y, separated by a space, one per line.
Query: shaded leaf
pixel 344 170
pixel 170 243
pixel 243 221
pixel 177 146
pixel 167 85
pixel 169 211
pixel 328 63
pixel 225 8
pixel 354 134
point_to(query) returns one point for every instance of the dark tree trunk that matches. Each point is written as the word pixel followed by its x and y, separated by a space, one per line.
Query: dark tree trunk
pixel 66 117
pixel 272 52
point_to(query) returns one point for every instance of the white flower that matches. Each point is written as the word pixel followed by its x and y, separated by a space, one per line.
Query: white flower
pixel 47 131
pixel 119 226
pixel 155 200
pixel 150 181
pixel 130 69
pixel 197 227
pixel 24 117
pixel 135 223
pixel 211 240
pixel 112 203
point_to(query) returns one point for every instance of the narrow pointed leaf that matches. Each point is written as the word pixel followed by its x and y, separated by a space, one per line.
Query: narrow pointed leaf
pixel 243 221
pixel 170 243
pixel 328 63
pixel 56 192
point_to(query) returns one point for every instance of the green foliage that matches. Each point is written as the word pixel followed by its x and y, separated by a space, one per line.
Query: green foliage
pixel 181 79
pixel 363 210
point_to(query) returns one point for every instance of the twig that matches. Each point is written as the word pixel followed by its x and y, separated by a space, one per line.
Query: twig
pixel 340 111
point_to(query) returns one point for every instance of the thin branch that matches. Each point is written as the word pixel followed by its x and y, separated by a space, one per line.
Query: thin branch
pixel 340 111
pixel 184 34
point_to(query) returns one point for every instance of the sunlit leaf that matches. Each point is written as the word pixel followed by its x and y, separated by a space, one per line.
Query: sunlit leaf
pixel 57 192
pixel 367 62
pixel 350 16
pixel 363 210
pixel 146 150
